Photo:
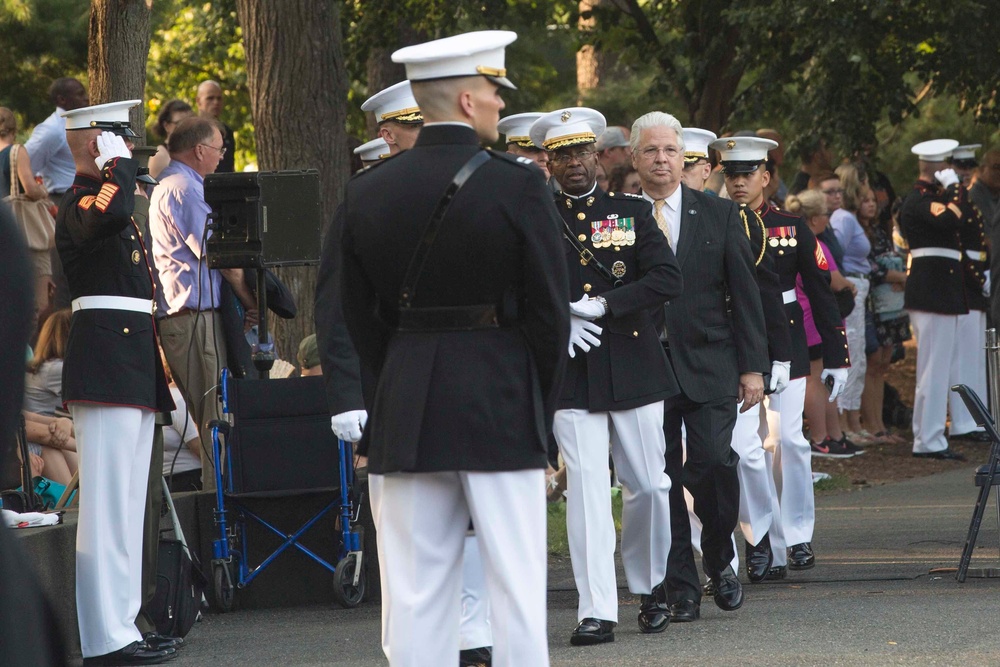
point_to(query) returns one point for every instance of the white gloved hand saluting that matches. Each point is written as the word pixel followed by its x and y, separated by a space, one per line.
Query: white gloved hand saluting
pixel 587 308
pixel 839 376
pixel 583 334
pixel 946 177
pixel 780 372
pixel 348 426
pixel 110 145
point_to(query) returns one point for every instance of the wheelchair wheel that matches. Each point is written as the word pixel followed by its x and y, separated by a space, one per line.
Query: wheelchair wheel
pixel 224 577
pixel 345 592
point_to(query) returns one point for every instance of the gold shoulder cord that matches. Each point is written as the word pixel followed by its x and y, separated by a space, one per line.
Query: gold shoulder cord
pixel 763 233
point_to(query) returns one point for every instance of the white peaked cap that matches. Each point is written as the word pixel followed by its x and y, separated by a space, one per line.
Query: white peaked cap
pixel 743 149
pixel 373 151
pixel 112 117
pixel 966 152
pixel 516 128
pixel 696 141
pixel 394 103
pixel 468 54
pixel 935 150
pixel 568 127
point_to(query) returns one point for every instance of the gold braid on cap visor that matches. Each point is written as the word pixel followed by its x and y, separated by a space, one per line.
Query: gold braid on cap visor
pixel 523 142
pixel 491 71
pixel 694 156
pixel 408 115
pixel 570 140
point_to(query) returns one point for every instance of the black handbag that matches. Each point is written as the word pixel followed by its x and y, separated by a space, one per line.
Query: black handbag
pixel 179 588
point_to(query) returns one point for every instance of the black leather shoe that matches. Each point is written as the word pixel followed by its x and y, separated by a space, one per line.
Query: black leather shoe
pixel 971 436
pixel 758 559
pixel 593 631
pixel 476 657
pixel 728 590
pixel 801 557
pixel 136 653
pixel 685 611
pixel 943 455
pixel 654 614
pixel 776 573
pixel 158 642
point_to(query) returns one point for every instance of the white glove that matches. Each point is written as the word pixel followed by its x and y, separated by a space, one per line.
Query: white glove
pixel 587 308
pixel 946 177
pixel 780 371
pixel 839 376
pixel 110 145
pixel 583 334
pixel 986 283
pixel 348 426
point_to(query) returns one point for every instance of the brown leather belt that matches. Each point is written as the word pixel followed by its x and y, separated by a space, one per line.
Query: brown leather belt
pixel 451 318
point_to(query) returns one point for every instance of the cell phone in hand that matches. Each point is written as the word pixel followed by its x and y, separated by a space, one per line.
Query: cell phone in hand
pixel 829 382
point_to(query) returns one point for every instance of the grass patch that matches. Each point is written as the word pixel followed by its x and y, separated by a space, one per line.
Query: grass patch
pixel 835 483
pixel 559 540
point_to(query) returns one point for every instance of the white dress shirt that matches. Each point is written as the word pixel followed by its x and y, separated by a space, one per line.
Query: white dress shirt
pixel 671 212
pixel 50 154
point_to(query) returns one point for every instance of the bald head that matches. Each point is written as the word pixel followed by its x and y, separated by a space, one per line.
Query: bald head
pixel 209 99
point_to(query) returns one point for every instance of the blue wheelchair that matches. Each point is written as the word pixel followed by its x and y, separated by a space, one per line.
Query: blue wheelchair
pixel 275 441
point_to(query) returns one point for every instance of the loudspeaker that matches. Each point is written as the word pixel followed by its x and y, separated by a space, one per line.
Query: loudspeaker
pixel 263 219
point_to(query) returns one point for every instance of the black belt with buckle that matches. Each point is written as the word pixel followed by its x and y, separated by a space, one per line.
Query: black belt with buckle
pixel 449 318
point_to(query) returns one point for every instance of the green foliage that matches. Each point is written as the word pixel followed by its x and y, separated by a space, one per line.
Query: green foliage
pixel 193 41
pixel 43 40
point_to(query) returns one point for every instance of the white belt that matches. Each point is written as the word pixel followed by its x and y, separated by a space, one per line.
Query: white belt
pixel 114 303
pixel 976 255
pixel 788 296
pixel 947 253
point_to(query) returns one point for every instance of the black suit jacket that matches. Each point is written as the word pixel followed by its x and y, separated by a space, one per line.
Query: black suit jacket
pixel 456 400
pixel 629 369
pixel 710 345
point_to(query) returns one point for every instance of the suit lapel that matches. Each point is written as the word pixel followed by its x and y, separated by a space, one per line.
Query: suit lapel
pixel 690 227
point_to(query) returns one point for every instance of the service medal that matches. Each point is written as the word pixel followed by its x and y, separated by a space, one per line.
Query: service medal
pixel 773 242
pixel 617 236
pixel 630 236
pixel 783 242
pixel 618 269
pixel 793 242
pixel 136 257
pixel 596 238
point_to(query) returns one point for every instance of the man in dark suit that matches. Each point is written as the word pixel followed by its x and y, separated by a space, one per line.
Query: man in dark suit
pixel 621 269
pixel 718 352
pixel 467 340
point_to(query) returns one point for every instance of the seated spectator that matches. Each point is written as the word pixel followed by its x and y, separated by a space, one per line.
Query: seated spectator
pixel 825 435
pixel 856 268
pixel 624 178
pixel 48 436
pixel 308 357
pixel 182 450
pixel 172 113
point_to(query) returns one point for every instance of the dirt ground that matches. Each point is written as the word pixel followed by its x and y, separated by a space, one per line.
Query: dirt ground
pixel 881 464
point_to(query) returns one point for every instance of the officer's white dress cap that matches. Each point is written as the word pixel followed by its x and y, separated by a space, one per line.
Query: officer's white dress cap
pixel 966 152
pixel 515 128
pixel 394 103
pixel 935 150
pixel 112 117
pixel 568 127
pixel 468 54
pixel 696 141
pixel 373 151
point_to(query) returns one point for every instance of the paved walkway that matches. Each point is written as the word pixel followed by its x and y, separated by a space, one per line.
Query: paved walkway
pixel 871 600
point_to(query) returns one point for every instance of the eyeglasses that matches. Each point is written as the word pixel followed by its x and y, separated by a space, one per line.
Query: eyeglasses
pixel 652 152
pixel 222 151
pixel 566 158
pixel 834 191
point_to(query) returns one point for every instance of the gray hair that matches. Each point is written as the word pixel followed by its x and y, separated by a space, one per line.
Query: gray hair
pixel 655 119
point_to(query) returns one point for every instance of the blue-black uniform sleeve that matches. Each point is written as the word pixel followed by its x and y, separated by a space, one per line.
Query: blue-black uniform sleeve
pixel 109 211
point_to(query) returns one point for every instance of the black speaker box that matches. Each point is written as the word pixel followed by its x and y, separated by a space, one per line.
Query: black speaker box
pixel 264 219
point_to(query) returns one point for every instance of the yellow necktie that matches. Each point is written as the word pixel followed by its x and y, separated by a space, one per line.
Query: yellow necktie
pixel 661 220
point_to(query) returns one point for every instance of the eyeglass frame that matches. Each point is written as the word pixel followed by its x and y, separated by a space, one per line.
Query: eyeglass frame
pixel 222 151
pixel 565 158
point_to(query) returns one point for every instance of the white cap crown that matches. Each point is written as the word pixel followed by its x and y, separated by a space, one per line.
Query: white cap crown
pixel 112 117
pixel 935 150
pixel 373 151
pixel 516 128
pixel 394 103
pixel 696 141
pixel 568 127
pixel 469 54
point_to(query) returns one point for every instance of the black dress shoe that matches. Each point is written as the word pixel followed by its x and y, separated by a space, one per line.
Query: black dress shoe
pixel 136 653
pixel 475 657
pixel 776 573
pixel 593 631
pixel 971 436
pixel 801 557
pixel 728 590
pixel 159 642
pixel 685 611
pixel 654 614
pixel 943 455
pixel 758 559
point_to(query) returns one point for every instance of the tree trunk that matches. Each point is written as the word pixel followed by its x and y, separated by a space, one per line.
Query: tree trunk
pixel 116 62
pixel 589 66
pixel 298 92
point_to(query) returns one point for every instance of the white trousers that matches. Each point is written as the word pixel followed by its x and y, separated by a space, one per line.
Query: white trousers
pixel 756 514
pixel 937 370
pixel 115 446
pixel 422 523
pixel 792 464
pixel 638 449
pixel 854 328
pixel 971 363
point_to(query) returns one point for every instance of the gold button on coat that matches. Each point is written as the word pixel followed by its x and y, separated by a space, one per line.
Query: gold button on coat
pixel 635 334
pixel 582 237
pixel 586 287
pixel 125 330
pixel 581 216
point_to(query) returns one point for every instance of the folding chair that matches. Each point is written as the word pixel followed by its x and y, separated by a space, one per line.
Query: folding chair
pixel 278 443
pixel 986 477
